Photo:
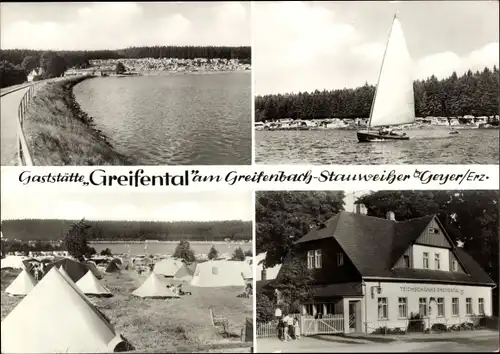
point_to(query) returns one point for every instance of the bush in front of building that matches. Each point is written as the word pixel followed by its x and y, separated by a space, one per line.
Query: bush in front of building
pixel 386 330
pixel 439 327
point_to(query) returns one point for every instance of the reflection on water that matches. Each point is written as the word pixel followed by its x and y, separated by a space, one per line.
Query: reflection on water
pixel 426 146
pixel 174 120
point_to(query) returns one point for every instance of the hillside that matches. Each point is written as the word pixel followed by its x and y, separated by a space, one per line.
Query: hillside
pixel 34 229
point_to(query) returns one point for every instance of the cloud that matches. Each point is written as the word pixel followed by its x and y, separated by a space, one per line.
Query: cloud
pixel 300 46
pixel 443 64
pixel 120 25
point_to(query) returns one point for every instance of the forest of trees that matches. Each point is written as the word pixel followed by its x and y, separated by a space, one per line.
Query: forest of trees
pixel 474 94
pixel 33 229
pixel 16 64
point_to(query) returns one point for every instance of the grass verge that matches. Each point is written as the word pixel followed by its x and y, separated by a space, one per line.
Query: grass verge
pixel 170 325
pixel 59 133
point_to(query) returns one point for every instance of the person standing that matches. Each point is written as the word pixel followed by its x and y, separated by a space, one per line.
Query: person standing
pixel 296 327
pixel 291 327
pixel 286 327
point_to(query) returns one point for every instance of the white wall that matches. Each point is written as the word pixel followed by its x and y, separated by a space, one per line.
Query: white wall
pixel 418 251
pixel 392 291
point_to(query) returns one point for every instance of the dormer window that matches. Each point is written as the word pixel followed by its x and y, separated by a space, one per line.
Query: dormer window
pixel 310 259
pixel 340 259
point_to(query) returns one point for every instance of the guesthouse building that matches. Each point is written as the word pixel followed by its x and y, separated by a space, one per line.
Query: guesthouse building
pixel 374 273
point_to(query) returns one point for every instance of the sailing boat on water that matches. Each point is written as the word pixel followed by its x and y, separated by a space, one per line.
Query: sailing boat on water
pixel 394 103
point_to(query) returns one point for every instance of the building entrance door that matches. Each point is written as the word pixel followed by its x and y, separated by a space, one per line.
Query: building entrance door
pixel 355 316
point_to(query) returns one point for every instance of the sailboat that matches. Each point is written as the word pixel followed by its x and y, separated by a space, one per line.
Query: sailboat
pixel 394 103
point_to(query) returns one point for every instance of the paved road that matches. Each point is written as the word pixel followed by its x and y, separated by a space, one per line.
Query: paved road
pixel 9 105
pixel 473 343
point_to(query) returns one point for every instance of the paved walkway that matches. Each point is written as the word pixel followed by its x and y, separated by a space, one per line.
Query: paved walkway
pixel 9 104
pixel 466 341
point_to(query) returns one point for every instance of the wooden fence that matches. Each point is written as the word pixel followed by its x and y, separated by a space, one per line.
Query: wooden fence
pixel 309 326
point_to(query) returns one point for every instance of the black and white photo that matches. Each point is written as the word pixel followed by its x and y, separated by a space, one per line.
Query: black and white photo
pixel 108 271
pixel 126 83
pixel 377 271
pixel 376 82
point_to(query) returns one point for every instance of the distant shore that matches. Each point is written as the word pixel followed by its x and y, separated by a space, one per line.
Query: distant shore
pixel 168 242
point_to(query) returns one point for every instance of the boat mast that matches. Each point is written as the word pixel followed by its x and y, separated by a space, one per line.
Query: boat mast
pixel 380 72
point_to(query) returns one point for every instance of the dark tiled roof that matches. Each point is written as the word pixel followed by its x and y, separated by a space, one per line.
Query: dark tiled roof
pixel 340 289
pixel 374 244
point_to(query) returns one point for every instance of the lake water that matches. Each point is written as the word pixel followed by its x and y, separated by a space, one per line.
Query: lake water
pixel 174 119
pixel 169 248
pixel 426 146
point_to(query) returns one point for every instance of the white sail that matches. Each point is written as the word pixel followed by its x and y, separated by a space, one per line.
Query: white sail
pixel 394 102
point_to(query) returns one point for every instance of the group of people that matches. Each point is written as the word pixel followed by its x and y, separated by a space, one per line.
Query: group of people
pixel 288 328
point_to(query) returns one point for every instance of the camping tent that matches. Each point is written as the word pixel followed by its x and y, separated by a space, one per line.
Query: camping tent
pixel 15 262
pixel 55 318
pixel 168 267
pixel 113 267
pixel 74 269
pixel 93 268
pixel 89 285
pixel 22 285
pixel 219 273
pixel 185 273
pixel 155 288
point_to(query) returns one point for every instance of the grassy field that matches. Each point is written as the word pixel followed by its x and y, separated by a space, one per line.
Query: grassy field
pixel 171 325
pixel 59 133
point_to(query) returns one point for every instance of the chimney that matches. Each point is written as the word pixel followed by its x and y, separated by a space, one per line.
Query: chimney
pixel 263 274
pixel 390 216
pixel 361 209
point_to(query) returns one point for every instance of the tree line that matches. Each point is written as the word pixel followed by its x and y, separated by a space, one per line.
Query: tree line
pixel 470 217
pixel 38 229
pixel 16 64
pixel 474 94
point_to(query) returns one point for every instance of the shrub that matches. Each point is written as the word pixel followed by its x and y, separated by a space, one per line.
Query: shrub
pixel 248 253
pixel 264 309
pixel 184 251
pixel 238 254
pixel 106 252
pixel 213 253
pixel 439 327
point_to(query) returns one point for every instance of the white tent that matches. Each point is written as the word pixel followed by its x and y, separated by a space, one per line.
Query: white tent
pixel 15 262
pixel 154 287
pixel 89 285
pixel 55 318
pixel 167 267
pixel 22 285
pixel 219 273
pixel 184 273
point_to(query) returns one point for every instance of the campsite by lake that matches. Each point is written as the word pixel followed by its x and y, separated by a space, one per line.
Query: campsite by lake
pixel 335 146
pixel 168 247
pixel 173 119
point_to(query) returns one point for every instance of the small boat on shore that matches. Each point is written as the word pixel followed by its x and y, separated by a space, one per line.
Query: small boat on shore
pixel 393 104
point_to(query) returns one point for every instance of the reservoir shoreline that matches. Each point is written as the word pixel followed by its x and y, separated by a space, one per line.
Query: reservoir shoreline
pixel 59 132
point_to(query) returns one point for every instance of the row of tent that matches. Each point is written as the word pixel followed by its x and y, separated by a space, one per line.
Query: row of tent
pixel 57 317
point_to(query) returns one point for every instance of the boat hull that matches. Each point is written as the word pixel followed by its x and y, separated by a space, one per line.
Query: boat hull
pixel 368 137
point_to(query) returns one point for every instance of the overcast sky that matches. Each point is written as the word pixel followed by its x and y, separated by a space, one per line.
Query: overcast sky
pixel 299 46
pixel 78 26
pixel 171 206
